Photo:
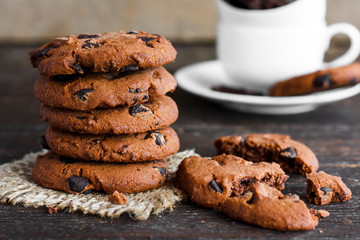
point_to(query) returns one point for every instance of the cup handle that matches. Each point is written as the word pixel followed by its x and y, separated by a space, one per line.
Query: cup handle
pixel 353 52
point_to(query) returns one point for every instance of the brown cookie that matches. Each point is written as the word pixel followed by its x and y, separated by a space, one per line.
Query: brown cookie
pixel 69 175
pixel 210 181
pixel 154 114
pixel 104 90
pixel 108 52
pixel 293 156
pixel 138 147
pixel 323 188
pixel 267 207
pixel 318 81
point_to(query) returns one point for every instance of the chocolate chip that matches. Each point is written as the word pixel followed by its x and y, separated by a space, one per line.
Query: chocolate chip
pixel 354 80
pixel 312 195
pixel 247 182
pixel 43 143
pixel 65 78
pixel 323 81
pixel 146 39
pixel 86 35
pixel 88 191
pixel 67 160
pixel 129 68
pixel 96 141
pixel 326 190
pixel 77 68
pixel 43 52
pixel 145 97
pixel 159 138
pixel 135 100
pixel 83 94
pixel 215 186
pixel 131 90
pixel 288 153
pixel 138 108
pixel 77 183
pixel 138 90
pixel 160 182
pixel 81 117
pixel 162 170
pixel 133 32
pixel 89 44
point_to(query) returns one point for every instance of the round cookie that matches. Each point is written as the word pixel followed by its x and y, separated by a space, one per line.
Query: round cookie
pixel 318 81
pixel 154 114
pixel 138 147
pixel 104 90
pixel 209 182
pixel 72 176
pixel 293 156
pixel 108 52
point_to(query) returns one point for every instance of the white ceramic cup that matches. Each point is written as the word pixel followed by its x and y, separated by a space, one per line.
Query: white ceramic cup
pixel 258 48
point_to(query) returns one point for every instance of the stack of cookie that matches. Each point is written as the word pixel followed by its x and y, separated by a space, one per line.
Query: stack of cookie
pixel 104 96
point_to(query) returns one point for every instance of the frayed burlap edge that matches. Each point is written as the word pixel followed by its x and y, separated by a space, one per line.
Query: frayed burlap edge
pixel 16 187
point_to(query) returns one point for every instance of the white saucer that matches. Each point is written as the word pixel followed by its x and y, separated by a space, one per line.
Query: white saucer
pixel 200 77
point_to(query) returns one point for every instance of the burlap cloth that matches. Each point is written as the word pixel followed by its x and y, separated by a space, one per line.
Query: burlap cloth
pixel 16 187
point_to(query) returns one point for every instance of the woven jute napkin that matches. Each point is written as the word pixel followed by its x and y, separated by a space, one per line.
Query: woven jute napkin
pixel 16 187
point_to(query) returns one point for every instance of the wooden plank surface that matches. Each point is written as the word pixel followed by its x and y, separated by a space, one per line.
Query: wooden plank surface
pixel 333 132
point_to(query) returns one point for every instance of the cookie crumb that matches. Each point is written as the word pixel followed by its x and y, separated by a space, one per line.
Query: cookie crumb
pixel 319 213
pixel 321 231
pixel 117 198
pixel 52 210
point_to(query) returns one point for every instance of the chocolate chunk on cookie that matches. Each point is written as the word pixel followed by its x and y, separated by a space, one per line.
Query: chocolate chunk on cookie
pixel 293 156
pixel 84 177
pixel 209 182
pixel 267 207
pixel 318 81
pixel 108 52
pixel 156 113
pixel 104 90
pixel 323 188
pixel 114 148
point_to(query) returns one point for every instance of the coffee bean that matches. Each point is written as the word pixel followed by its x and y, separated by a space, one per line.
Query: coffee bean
pixel 43 143
pixel 162 170
pixel 77 68
pixel 159 138
pixel 215 186
pixel 77 183
pixel 138 108
pixel 83 94
pixel 146 39
pixel 67 160
pixel 323 81
pixel 43 52
pixel 86 35
pixel 89 44
pixel 326 190
pixel 288 153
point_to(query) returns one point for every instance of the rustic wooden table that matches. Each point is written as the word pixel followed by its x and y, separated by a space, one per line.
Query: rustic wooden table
pixel 333 132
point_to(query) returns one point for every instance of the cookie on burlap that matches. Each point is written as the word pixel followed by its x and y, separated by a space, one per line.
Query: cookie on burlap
pixel 267 207
pixel 323 188
pixel 72 176
pixel 108 52
pixel 154 114
pixel 104 90
pixel 209 182
pixel 318 81
pixel 293 156
pixel 138 147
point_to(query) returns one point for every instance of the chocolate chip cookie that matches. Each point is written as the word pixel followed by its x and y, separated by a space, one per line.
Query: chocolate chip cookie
pixel 318 81
pixel 267 207
pixel 209 182
pixel 293 156
pixel 152 145
pixel 108 52
pixel 154 114
pixel 104 90
pixel 323 188
pixel 69 175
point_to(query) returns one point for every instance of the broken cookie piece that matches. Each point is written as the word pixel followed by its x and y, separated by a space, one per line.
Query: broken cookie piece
pixel 323 188
pixel 117 198
pixel 267 207
pixel 293 156
pixel 209 182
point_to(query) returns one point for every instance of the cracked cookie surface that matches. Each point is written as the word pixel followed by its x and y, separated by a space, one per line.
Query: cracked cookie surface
pixel 74 176
pixel 107 52
pixel 138 147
